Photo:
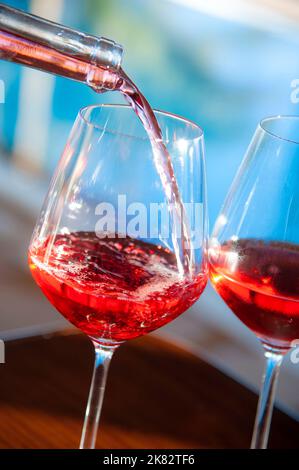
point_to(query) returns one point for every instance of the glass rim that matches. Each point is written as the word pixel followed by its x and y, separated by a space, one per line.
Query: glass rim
pixel 173 116
pixel 278 117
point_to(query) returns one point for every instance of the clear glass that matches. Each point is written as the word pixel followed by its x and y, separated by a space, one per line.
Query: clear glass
pixel 254 251
pixel 103 248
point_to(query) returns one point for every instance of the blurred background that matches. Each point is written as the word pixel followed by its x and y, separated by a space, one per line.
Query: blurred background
pixel 225 65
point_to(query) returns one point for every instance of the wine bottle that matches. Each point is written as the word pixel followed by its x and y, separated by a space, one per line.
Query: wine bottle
pixel 42 44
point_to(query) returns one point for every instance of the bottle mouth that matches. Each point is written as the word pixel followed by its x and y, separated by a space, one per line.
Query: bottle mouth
pixel 108 53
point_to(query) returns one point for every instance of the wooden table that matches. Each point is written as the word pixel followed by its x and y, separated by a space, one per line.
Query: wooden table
pixel 158 396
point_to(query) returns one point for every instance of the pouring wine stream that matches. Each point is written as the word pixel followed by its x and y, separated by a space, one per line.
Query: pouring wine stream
pixel 164 166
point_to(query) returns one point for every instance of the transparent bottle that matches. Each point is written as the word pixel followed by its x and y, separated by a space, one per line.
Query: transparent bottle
pixel 42 44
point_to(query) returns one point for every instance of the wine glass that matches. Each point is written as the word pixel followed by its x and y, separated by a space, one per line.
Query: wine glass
pixel 254 250
pixel 103 249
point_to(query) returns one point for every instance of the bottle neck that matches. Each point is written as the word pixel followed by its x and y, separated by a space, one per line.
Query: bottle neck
pixel 22 51
pixel 49 46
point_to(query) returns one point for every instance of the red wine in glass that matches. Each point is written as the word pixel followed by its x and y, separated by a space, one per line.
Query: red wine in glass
pixel 114 283
pixel 254 251
pixel 112 288
pixel 259 281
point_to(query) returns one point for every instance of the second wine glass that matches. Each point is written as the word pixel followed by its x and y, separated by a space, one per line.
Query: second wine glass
pixel 254 250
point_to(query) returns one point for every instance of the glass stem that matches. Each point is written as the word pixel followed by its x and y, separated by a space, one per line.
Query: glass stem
pixel 103 357
pixel 266 400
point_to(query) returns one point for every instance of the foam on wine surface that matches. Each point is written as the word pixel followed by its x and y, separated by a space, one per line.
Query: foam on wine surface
pixel 113 289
